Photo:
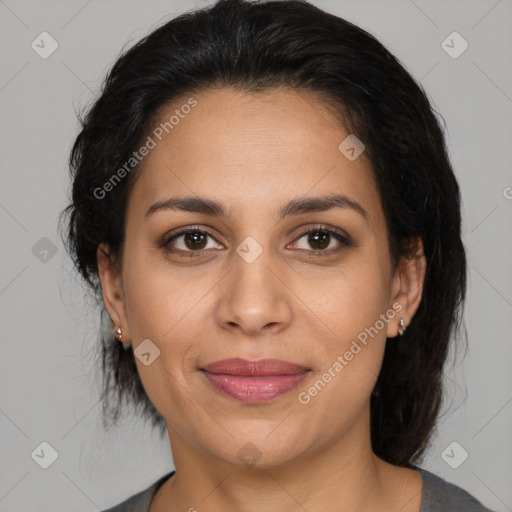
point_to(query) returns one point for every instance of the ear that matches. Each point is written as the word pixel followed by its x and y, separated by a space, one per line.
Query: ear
pixel 407 287
pixel 112 289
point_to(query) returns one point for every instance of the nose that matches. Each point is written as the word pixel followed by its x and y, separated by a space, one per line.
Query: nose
pixel 254 297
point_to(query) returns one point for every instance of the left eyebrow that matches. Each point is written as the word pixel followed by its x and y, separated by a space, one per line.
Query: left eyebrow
pixel 297 206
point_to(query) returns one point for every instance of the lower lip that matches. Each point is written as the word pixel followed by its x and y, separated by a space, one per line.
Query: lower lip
pixel 255 390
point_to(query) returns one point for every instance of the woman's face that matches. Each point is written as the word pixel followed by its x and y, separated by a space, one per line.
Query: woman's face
pixel 248 284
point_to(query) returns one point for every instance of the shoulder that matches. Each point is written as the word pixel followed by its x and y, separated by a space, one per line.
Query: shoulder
pixel 440 495
pixel 140 502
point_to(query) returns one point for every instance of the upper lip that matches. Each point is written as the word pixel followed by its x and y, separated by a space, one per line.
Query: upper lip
pixel 243 367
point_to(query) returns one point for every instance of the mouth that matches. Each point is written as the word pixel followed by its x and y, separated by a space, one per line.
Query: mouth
pixel 254 381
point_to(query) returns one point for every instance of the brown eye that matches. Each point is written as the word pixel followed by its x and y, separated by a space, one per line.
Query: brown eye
pixel 194 240
pixel 188 241
pixel 319 239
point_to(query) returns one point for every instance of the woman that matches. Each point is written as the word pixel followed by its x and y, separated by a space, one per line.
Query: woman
pixel 263 202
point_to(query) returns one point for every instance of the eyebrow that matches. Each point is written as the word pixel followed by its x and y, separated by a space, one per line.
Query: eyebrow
pixel 206 206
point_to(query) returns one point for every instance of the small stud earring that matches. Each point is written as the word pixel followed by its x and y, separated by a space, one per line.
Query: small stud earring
pixel 401 327
pixel 126 344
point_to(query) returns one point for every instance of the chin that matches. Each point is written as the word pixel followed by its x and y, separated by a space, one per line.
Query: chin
pixel 260 451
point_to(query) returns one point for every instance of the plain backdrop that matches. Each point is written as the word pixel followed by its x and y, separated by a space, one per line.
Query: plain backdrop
pixel 48 381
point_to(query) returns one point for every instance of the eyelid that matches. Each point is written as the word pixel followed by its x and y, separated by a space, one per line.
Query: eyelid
pixel 327 228
pixel 168 238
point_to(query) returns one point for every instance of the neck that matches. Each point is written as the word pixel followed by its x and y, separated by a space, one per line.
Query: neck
pixel 345 475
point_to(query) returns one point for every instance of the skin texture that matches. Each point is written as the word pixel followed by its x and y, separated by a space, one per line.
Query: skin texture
pixel 254 153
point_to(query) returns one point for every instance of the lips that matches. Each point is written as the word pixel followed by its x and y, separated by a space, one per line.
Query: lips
pixel 245 368
pixel 254 381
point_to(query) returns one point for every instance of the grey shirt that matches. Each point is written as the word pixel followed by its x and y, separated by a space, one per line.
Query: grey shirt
pixel 438 496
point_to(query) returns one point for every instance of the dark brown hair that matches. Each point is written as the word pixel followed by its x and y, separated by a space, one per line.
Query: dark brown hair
pixel 256 46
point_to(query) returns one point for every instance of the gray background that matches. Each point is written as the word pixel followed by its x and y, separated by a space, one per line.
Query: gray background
pixel 48 386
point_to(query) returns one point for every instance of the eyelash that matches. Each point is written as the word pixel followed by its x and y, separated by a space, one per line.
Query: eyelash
pixel 344 240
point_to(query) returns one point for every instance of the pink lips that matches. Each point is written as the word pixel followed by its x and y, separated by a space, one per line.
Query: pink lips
pixel 254 381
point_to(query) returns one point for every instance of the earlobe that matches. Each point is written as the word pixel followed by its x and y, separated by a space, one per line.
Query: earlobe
pixel 408 287
pixel 111 287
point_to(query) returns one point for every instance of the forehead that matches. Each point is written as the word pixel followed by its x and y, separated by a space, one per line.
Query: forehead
pixel 250 151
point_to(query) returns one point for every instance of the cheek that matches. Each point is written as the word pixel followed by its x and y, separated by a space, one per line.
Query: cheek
pixel 350 304
pixel 348 299
pixel 157 314
pixel 166 308
pixel 160 300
